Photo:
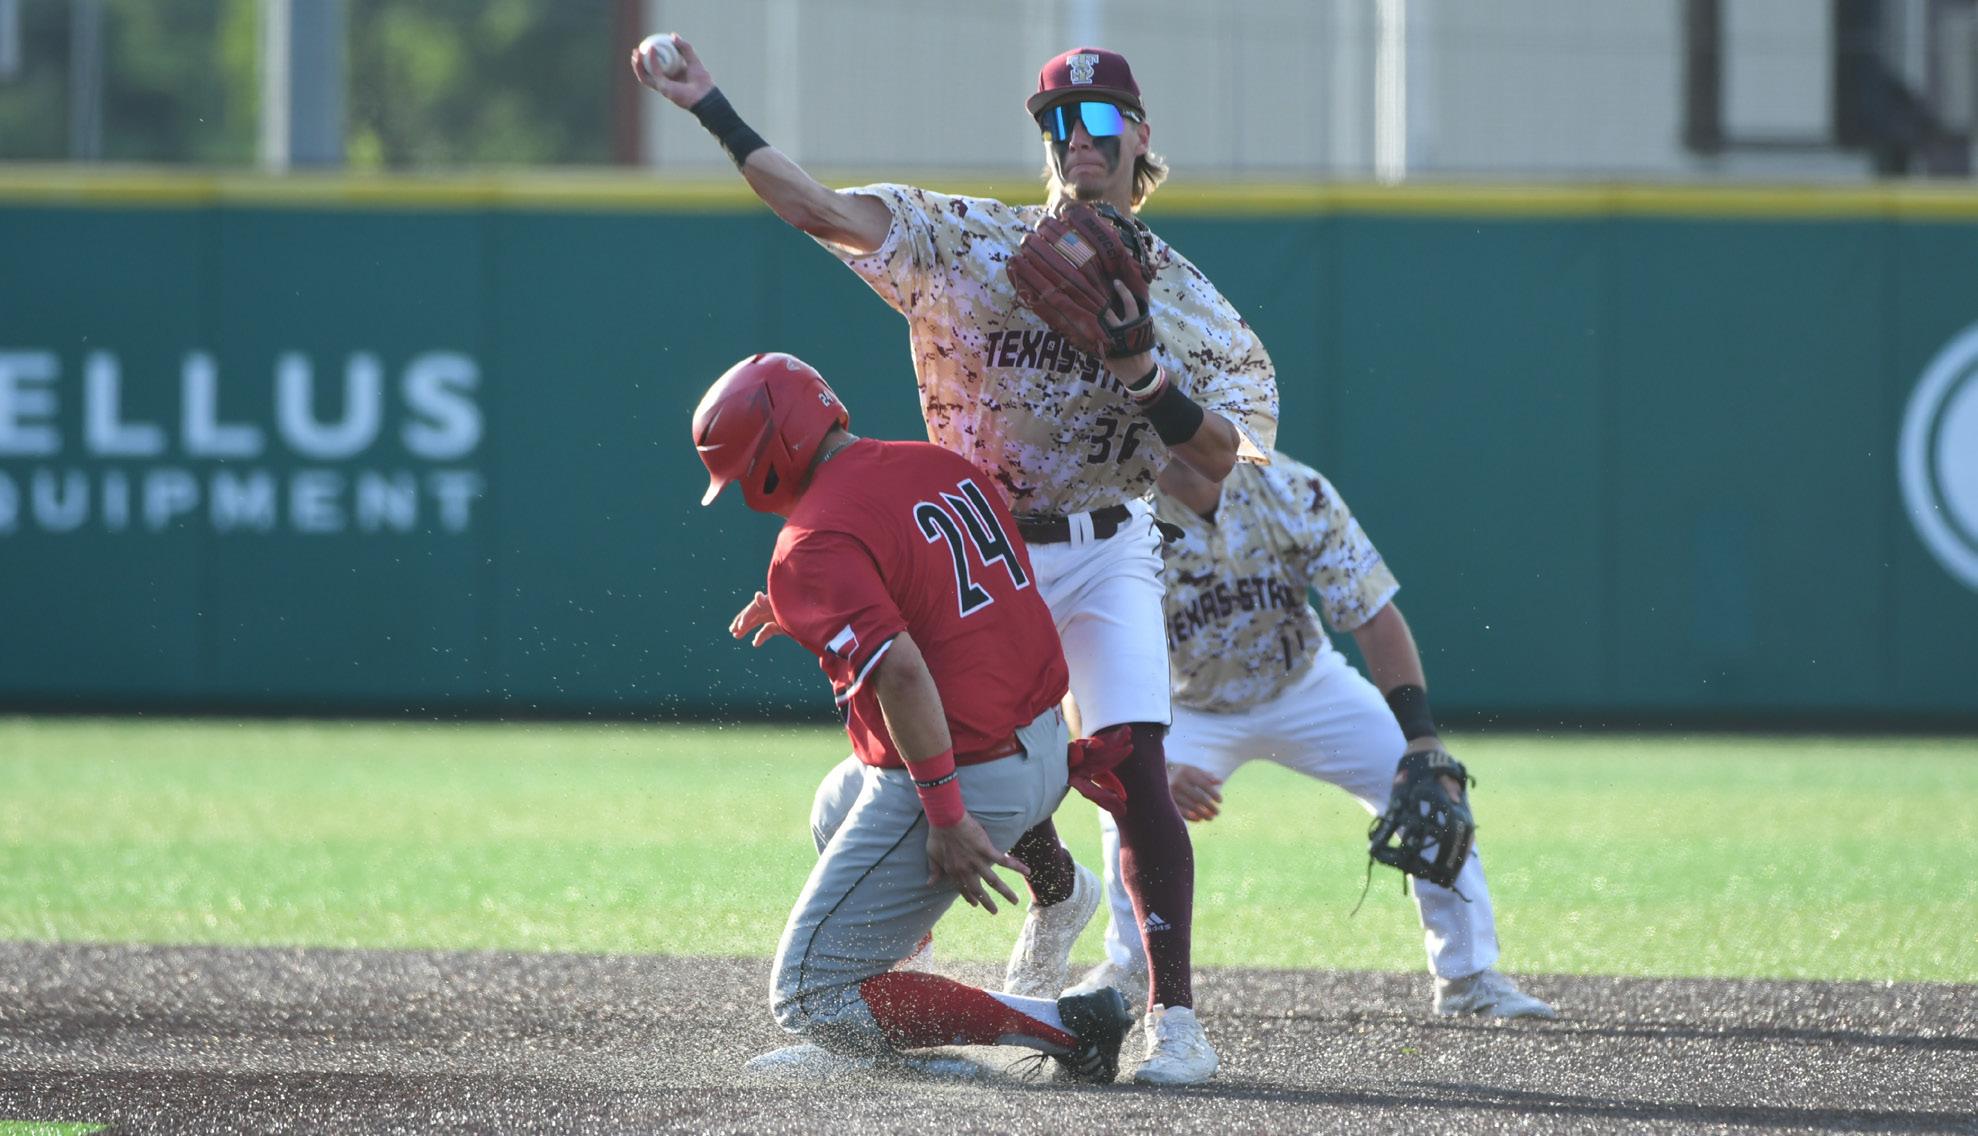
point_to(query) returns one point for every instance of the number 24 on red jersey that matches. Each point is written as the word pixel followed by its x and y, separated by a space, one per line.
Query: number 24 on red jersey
pixel 967 514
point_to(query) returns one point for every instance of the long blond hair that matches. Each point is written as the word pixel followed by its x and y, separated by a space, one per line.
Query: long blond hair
pixel 1149 171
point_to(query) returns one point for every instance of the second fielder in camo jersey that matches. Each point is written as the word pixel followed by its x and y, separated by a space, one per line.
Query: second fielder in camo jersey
pixel 1074 454
pixel 1255 677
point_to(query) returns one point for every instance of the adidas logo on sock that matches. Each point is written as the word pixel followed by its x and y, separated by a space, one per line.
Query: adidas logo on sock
pixel 1156 923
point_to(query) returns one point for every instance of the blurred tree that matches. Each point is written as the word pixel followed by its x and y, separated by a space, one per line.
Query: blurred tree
pixel 432 82
pixel 182 81
pixel 463 82
pixel 34 120
pixel 178 86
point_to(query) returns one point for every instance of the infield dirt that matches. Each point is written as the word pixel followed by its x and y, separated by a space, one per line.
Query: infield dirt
pixel 236 1040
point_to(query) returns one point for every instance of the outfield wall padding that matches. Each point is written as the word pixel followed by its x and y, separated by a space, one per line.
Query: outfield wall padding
pixel 431 455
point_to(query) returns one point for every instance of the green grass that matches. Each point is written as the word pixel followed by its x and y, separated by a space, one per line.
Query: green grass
pixel 1806 858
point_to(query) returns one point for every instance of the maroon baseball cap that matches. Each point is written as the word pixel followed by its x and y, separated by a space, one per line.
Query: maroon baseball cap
pixel 1086 70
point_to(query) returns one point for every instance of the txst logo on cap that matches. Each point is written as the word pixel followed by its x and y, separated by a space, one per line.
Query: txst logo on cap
pixel 1084 72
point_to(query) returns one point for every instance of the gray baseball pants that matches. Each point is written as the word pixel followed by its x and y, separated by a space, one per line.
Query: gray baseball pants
pixel 867 902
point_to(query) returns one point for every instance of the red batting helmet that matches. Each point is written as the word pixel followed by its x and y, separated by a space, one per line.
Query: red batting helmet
pixel 761 424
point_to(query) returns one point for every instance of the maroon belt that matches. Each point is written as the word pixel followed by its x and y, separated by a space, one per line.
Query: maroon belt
pixel 1001 749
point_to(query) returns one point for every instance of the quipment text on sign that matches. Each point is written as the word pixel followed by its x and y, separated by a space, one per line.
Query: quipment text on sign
pixel 375 453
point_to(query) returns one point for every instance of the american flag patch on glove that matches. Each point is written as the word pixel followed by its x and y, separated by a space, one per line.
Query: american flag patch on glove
pixel 1073 249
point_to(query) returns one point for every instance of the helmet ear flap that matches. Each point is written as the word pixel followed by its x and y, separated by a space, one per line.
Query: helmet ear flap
pixel 765 484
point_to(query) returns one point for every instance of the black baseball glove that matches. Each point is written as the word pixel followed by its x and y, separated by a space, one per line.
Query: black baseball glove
pixel 1424 831
pixel 1065 271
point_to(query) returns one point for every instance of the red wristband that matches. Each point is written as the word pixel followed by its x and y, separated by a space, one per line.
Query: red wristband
pixel 940 792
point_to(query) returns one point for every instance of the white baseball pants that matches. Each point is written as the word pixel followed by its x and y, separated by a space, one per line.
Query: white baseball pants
pixel 1334 726
pixel 1106 598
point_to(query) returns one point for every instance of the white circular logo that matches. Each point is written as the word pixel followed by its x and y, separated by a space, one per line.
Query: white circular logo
pixel 1938 457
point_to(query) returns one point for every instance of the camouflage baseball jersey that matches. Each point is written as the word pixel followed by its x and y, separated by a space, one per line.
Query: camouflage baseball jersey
pixel 1049 423
pixel 1239 627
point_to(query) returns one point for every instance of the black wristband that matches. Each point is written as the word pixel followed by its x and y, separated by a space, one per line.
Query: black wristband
pixel 727 126
pixel 1410 704
pixel 1175 416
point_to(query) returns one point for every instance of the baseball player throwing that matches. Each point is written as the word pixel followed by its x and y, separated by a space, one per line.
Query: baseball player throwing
pixel 1256 677
pixel 1069 412
pixel 898 570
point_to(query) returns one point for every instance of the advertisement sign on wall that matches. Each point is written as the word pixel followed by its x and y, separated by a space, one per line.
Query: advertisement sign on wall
pixel 1938 457
pixel 292 470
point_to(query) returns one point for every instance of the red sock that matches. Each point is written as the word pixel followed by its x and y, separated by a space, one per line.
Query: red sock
pixel 919 1010
pixel 1157 865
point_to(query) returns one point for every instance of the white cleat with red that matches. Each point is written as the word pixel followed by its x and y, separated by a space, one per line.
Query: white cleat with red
pixel 809 1063
pixel 1040 963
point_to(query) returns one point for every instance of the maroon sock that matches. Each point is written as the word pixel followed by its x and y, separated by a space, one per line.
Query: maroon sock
pixel 920 1010
pixel 1049 861
pixel 1157 865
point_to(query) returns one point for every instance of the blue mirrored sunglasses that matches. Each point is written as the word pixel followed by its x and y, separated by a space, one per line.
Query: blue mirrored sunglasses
pixel 1101 120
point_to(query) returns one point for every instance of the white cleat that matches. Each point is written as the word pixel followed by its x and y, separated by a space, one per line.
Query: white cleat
pixel 1177 1051
pixel 1129 980
pixel 806 1062
pixel 1040 963
pixel 1487 994
pixel 937 1067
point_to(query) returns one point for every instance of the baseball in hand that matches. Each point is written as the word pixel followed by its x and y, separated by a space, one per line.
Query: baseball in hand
pixel 662 57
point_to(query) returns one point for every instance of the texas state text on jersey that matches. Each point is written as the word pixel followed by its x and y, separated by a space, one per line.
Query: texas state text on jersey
pixel 1239 628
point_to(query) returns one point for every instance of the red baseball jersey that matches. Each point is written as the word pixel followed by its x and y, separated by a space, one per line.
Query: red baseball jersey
pixel 906 536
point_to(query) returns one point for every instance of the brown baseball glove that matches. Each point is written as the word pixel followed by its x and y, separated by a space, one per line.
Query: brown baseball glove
pixel 1065 271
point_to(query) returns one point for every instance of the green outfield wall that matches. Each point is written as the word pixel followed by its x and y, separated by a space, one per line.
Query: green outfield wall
pixel 422 446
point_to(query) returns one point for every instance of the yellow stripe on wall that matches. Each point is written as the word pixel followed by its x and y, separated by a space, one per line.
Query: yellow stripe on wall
pixel 141 189
pixel 636 192
pixel 1746 202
